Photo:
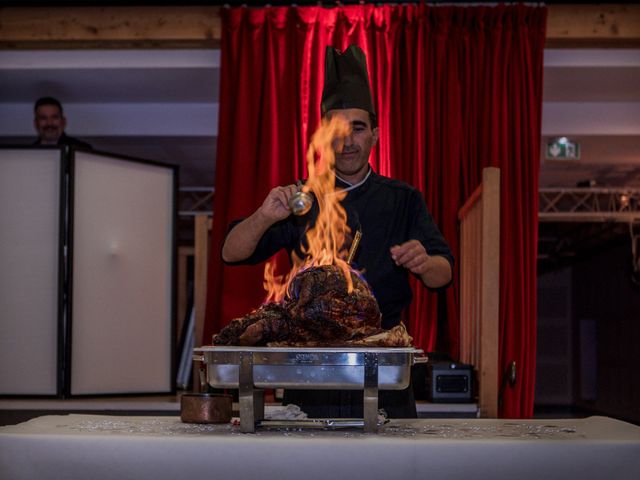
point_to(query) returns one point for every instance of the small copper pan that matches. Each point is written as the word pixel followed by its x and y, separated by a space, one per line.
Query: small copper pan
pixel 205 408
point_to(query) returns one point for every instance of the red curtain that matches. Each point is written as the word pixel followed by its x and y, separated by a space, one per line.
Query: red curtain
pixel 456 89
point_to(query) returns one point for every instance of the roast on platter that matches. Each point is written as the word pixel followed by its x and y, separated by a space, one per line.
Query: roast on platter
pixel 317 311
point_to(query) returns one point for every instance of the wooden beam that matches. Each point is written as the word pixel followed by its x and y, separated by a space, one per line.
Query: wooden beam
pixel 480 288
pixel 202 228
pixel 109 27
pixel 489 380
pixel 581 25
pixel 586 25
pixel 593 26
pixel 184 253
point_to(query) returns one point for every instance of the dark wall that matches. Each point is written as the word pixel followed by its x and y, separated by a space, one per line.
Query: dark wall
pixel 606 316
pixel 555 349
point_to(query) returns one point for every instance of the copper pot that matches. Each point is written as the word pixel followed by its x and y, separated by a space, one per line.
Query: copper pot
pixel 205 408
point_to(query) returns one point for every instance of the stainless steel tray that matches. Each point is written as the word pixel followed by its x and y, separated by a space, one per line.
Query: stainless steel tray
pixel 308 368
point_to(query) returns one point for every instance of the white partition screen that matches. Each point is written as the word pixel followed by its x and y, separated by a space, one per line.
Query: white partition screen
pixel 30 243
pixel 122 270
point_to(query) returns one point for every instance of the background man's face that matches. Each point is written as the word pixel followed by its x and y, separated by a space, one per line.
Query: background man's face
pixel 352 162
pixel 49 123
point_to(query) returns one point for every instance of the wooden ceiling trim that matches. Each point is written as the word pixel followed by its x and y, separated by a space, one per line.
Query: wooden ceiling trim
pixel 109 27
pixel 593 26
pixel 568 26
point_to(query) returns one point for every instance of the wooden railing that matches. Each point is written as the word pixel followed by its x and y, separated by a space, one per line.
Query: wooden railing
pixel 479 287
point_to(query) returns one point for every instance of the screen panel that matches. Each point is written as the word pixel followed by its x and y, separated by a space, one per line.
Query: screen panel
pixel 30 183
pixel 122 250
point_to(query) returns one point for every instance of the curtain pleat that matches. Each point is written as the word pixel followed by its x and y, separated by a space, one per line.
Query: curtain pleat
pixel 456 89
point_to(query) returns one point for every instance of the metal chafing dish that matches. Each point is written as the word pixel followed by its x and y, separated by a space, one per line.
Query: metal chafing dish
pixel 251 369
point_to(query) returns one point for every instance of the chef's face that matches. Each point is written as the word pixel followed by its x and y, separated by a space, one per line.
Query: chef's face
pixel 352 161
pixel 49 123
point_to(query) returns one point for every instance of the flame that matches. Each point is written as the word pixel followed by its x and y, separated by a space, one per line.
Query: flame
pixel 275 285
pixel 326 240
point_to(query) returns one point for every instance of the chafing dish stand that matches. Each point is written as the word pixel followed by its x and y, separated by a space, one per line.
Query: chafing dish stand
pixel 251 396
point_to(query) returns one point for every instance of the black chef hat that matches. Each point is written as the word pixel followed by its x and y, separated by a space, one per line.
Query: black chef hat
pixel 346 83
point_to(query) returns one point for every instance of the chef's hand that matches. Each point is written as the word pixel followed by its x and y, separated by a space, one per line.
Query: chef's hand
pixel 411 255
pixel 243 239
pixel 433 270
pixel 276 206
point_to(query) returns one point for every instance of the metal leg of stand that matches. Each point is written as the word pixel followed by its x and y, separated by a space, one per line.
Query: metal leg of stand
pixel 258 404
pixel 246 393
pixel 370 392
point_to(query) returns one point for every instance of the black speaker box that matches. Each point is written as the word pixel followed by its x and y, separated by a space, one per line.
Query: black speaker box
pixel 449 382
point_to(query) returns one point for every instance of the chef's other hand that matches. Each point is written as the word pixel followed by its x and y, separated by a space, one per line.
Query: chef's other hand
pixel 433 270
pixel 276 206
pixel 411 255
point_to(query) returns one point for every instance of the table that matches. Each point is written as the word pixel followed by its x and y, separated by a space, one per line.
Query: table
pixel 116 447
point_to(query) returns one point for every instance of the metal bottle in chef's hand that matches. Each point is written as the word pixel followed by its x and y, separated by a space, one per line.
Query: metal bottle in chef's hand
pixel 300 202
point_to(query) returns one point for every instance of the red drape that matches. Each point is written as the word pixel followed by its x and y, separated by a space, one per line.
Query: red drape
pixel 456 89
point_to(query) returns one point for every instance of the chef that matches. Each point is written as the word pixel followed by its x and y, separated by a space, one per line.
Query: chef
pixel 398 235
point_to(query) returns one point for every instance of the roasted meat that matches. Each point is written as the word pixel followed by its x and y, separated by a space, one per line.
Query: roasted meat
pixel 317 311
pixel 321 305
pixel 271 320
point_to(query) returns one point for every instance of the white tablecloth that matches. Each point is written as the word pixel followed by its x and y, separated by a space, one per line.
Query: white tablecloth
pixel 112 447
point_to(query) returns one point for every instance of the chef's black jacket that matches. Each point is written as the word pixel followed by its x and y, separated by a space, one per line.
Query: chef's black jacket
pixel 388 212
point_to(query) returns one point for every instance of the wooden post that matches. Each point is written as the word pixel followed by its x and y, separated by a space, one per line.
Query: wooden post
pixel 183 258
pixel 201 261
pixel 490 284
pixel 480 288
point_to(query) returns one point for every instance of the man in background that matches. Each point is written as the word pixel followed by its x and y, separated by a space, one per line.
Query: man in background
pixel 50 122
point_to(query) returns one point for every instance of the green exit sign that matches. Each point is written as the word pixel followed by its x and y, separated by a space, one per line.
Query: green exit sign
pixel 563 149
